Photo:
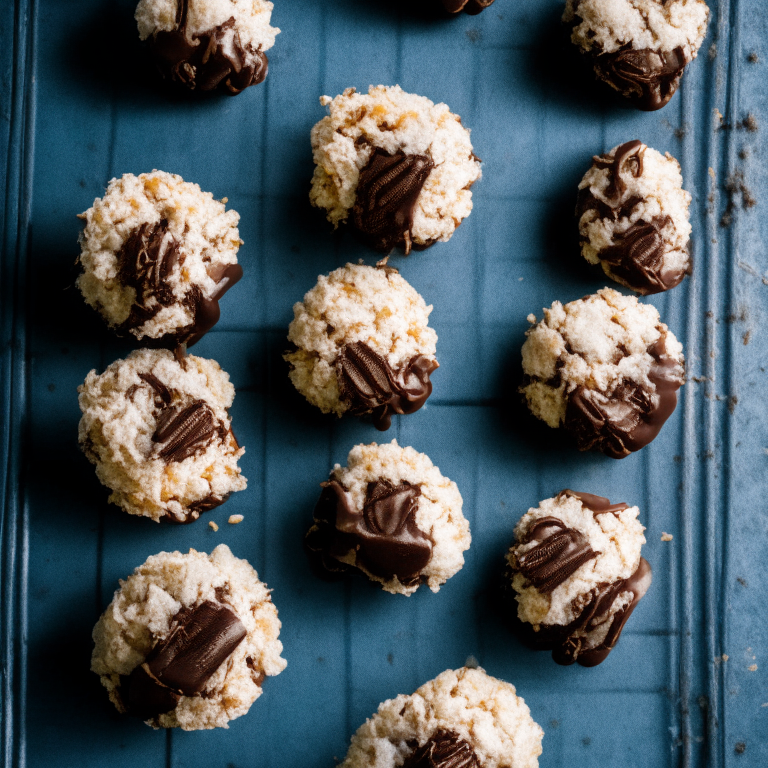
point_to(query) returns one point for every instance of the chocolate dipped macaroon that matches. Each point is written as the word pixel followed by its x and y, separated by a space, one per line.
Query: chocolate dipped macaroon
pixel 205 45
pixel 157 254
pixel 576 574
pixel 394 166
pixel 633 220
pixel 188 640
pixel 464 718
pixel 363 345
pixel 391 515
pixel 605 369
pixel 158 431
pixel 639 47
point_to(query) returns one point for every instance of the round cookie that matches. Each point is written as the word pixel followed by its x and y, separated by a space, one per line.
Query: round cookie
pixel 158 431
pixel 577 575
pixel 639 47
pixel 633 218
pixel 209 44
pixel 471 7
pixel 605 368
pixel 187 640
pixel 157 254
pixel 463 718
pixel 395 166
pixel 392 515
pixel 362 344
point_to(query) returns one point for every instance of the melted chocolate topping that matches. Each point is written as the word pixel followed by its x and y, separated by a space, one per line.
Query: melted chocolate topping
pixel 446 749
pixel 387 192
pixel 208 60
pixel 145 262
pixel 567 642
pixel 384 534
pixel 369 384
pixel 201 639
pixel 559 552
pixel 185 431
pixel 631 416
pixel 599 505
pixel 647 78
pixel 631 153
pixel 637 257
pixel 472 7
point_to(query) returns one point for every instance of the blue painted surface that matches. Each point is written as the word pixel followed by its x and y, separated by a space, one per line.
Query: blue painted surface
pixel 78 110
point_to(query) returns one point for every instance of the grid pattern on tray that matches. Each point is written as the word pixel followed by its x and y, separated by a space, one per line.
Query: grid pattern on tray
pixel 75 116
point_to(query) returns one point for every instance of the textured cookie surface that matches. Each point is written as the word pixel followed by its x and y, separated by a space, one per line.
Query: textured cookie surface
pixel 605 368
pixel 159 434
pixel 157 253
pixel 395 164
pixel 391 514
pixel 161 595
pixel 472 717
pixel 209 44
pixel 362 344
pixel 640 47
pixel 633 217
pixel 577 574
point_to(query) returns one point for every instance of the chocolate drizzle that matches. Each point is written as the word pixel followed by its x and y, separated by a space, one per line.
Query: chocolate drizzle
pixel 637 256
pixel 568 643
pixel 446 749
pixel 387 192
pixel 370 386
pixel 646 77
pixel 383 535
pixel 146 261
pixel 208 60
pixel 471 7
pixel 200 640
pixel 631 153
pixel 559 552
pixel 631 416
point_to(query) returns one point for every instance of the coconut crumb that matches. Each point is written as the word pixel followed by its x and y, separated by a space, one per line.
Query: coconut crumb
pixel 213 525
pixel 235 519
pixel 666 536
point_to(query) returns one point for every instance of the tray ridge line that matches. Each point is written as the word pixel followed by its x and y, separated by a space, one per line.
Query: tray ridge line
pixel 13 511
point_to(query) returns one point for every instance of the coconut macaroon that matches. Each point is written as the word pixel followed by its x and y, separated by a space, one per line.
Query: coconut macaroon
pixel 633 218
pixel 157 254
pixel 463 718
pixel 158 431
pixel 577 574
pixel 605 368
pixel 188 640
pixel 639 47
pixel 392 515
pixel 209 44
pixel 394 165
pixel 363 344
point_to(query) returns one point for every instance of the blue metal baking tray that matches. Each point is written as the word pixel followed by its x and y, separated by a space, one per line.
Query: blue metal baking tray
pixel 686 685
